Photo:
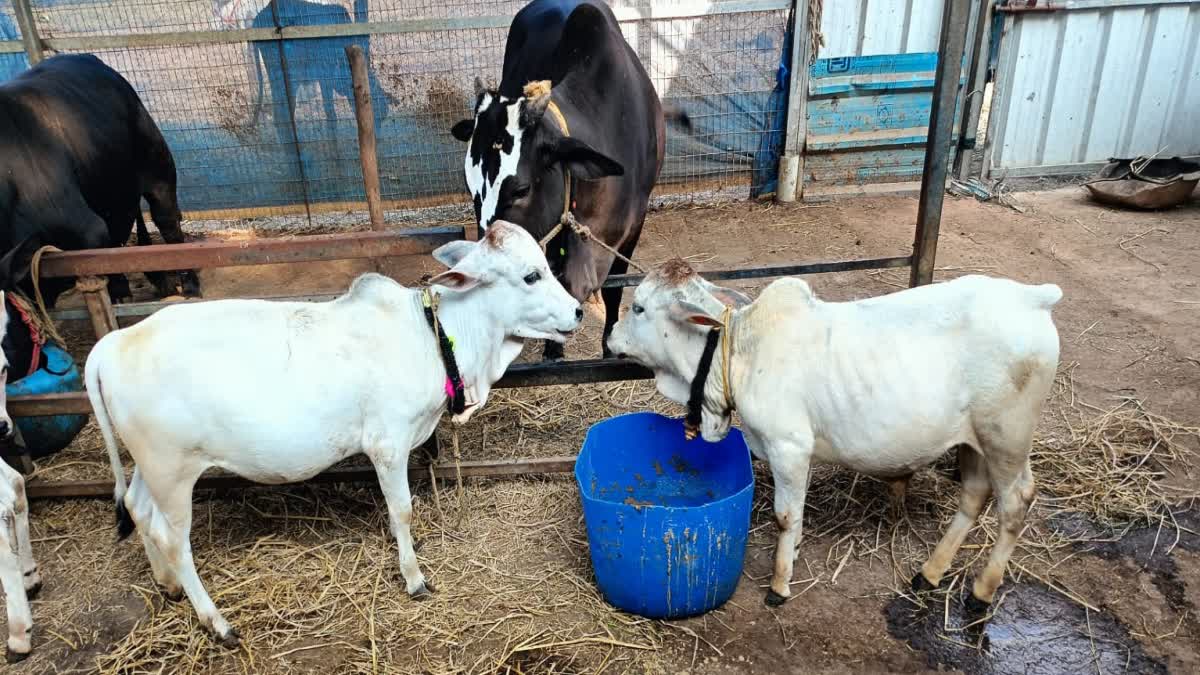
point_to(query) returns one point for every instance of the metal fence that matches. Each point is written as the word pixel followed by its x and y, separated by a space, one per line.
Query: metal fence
pixel 254 96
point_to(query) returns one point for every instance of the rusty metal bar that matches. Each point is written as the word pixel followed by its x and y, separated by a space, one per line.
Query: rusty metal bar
pixel 626 280
pixel 210 254
pixel 941 133
pixel 103 489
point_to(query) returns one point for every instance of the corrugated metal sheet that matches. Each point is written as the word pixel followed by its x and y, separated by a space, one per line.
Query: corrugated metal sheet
pixel 1094 80
pixel 877 27
pixel 870 91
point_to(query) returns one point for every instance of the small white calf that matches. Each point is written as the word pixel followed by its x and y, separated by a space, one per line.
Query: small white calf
pixel 18 572
pixel 278 391
pixel 883 386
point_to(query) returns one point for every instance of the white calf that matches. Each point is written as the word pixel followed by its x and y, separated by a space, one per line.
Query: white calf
pixel 883 386
pixel 18 572
pixel 278 391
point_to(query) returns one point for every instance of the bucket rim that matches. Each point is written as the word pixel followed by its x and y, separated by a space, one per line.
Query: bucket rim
pixel 583 493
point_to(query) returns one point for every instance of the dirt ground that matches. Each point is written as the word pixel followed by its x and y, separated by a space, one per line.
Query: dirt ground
pixel 309 575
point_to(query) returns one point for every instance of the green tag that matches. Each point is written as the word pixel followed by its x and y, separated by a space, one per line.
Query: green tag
pixel 562 252
pixel 450 339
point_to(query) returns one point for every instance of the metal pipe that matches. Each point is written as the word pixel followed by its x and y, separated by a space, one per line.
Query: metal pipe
pixel 941 133
pixel 791 163
pixel 626 280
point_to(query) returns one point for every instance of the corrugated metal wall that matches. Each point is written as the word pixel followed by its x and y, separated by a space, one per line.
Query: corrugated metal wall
pixel 1093 80
pixel 870 91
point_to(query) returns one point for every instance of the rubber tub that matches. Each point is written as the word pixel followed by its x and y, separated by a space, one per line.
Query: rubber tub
pixel 48 434
pixel 666 518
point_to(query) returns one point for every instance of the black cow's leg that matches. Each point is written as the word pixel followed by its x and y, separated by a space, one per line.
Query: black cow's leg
pixel 164 208
pixel 553 351
pixel 612 296
pixel 118 289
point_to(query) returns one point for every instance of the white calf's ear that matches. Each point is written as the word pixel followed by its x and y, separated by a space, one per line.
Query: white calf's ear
pixel 455 280
pixel 728 296
pixel 452 253
pixel 688 312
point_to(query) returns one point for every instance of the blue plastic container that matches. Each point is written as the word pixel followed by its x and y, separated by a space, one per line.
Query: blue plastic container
pixel 47 435
pixel 666 518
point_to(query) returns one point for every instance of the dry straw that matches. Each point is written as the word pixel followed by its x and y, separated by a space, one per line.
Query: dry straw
pixel 309 575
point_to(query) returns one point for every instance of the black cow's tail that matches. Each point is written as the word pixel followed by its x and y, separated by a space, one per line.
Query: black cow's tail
pixel 673 113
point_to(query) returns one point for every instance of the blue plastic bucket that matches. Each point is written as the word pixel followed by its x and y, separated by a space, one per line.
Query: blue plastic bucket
pixel 47 435
pixel 666 518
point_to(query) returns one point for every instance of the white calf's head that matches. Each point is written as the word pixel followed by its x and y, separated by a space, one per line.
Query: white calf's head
pixel 665 328
pixel 507 277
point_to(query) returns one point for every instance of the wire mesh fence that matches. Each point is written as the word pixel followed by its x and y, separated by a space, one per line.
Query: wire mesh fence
pixel 255 97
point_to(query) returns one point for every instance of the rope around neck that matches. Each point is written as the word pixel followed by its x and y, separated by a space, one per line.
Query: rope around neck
pixel 567 219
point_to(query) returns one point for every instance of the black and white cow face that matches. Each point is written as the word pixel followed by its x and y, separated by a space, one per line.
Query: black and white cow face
pixel 516 155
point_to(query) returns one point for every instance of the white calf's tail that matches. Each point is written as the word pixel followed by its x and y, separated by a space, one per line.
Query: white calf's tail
pixel 1047 295
pixel 95 392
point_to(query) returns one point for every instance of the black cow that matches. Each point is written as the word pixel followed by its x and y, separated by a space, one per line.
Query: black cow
pixel 519 154
pixel 78 152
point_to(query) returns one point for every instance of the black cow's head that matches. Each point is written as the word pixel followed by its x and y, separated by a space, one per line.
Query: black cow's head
pixel 516 154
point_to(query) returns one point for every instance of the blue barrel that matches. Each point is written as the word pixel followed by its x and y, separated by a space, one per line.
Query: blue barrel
pixel 667 519
pixel 47 435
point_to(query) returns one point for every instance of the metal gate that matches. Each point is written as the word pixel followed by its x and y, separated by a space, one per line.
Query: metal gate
pixel 1080 81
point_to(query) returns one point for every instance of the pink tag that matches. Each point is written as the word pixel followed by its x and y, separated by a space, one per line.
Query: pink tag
pixel 449 388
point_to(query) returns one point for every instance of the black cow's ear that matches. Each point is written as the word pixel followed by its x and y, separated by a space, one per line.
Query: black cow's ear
pixel 584 161
pixel 14 266
pixel 463 130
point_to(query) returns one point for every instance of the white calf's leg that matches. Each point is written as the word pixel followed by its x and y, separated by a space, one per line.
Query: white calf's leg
pixel 1014 490
pixel 29 568
pixel 20 621
pixel 393 479
pixel 789 468
pixel 141 509
pixel 975 491
pixel 171 532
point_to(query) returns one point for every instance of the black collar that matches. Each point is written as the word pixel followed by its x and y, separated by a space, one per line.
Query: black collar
pixel 454 384
pixel 691 425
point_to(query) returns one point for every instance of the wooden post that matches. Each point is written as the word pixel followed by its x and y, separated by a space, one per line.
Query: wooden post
pixel 100 309
pixel 941 132
pixel 365 116
pixel 29 32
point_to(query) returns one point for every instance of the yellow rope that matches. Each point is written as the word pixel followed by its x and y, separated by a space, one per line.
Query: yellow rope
pixel 726 320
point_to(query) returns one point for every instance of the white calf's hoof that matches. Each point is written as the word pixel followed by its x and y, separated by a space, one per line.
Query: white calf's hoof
pixel 231 640
pixel 15 657
pixel 422 592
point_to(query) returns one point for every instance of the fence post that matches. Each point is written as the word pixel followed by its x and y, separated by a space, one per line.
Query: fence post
pixel 364 114
pixel 976 84
pixel 29 33
pixel 99 306
pixel 791 163
pixel 941 133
